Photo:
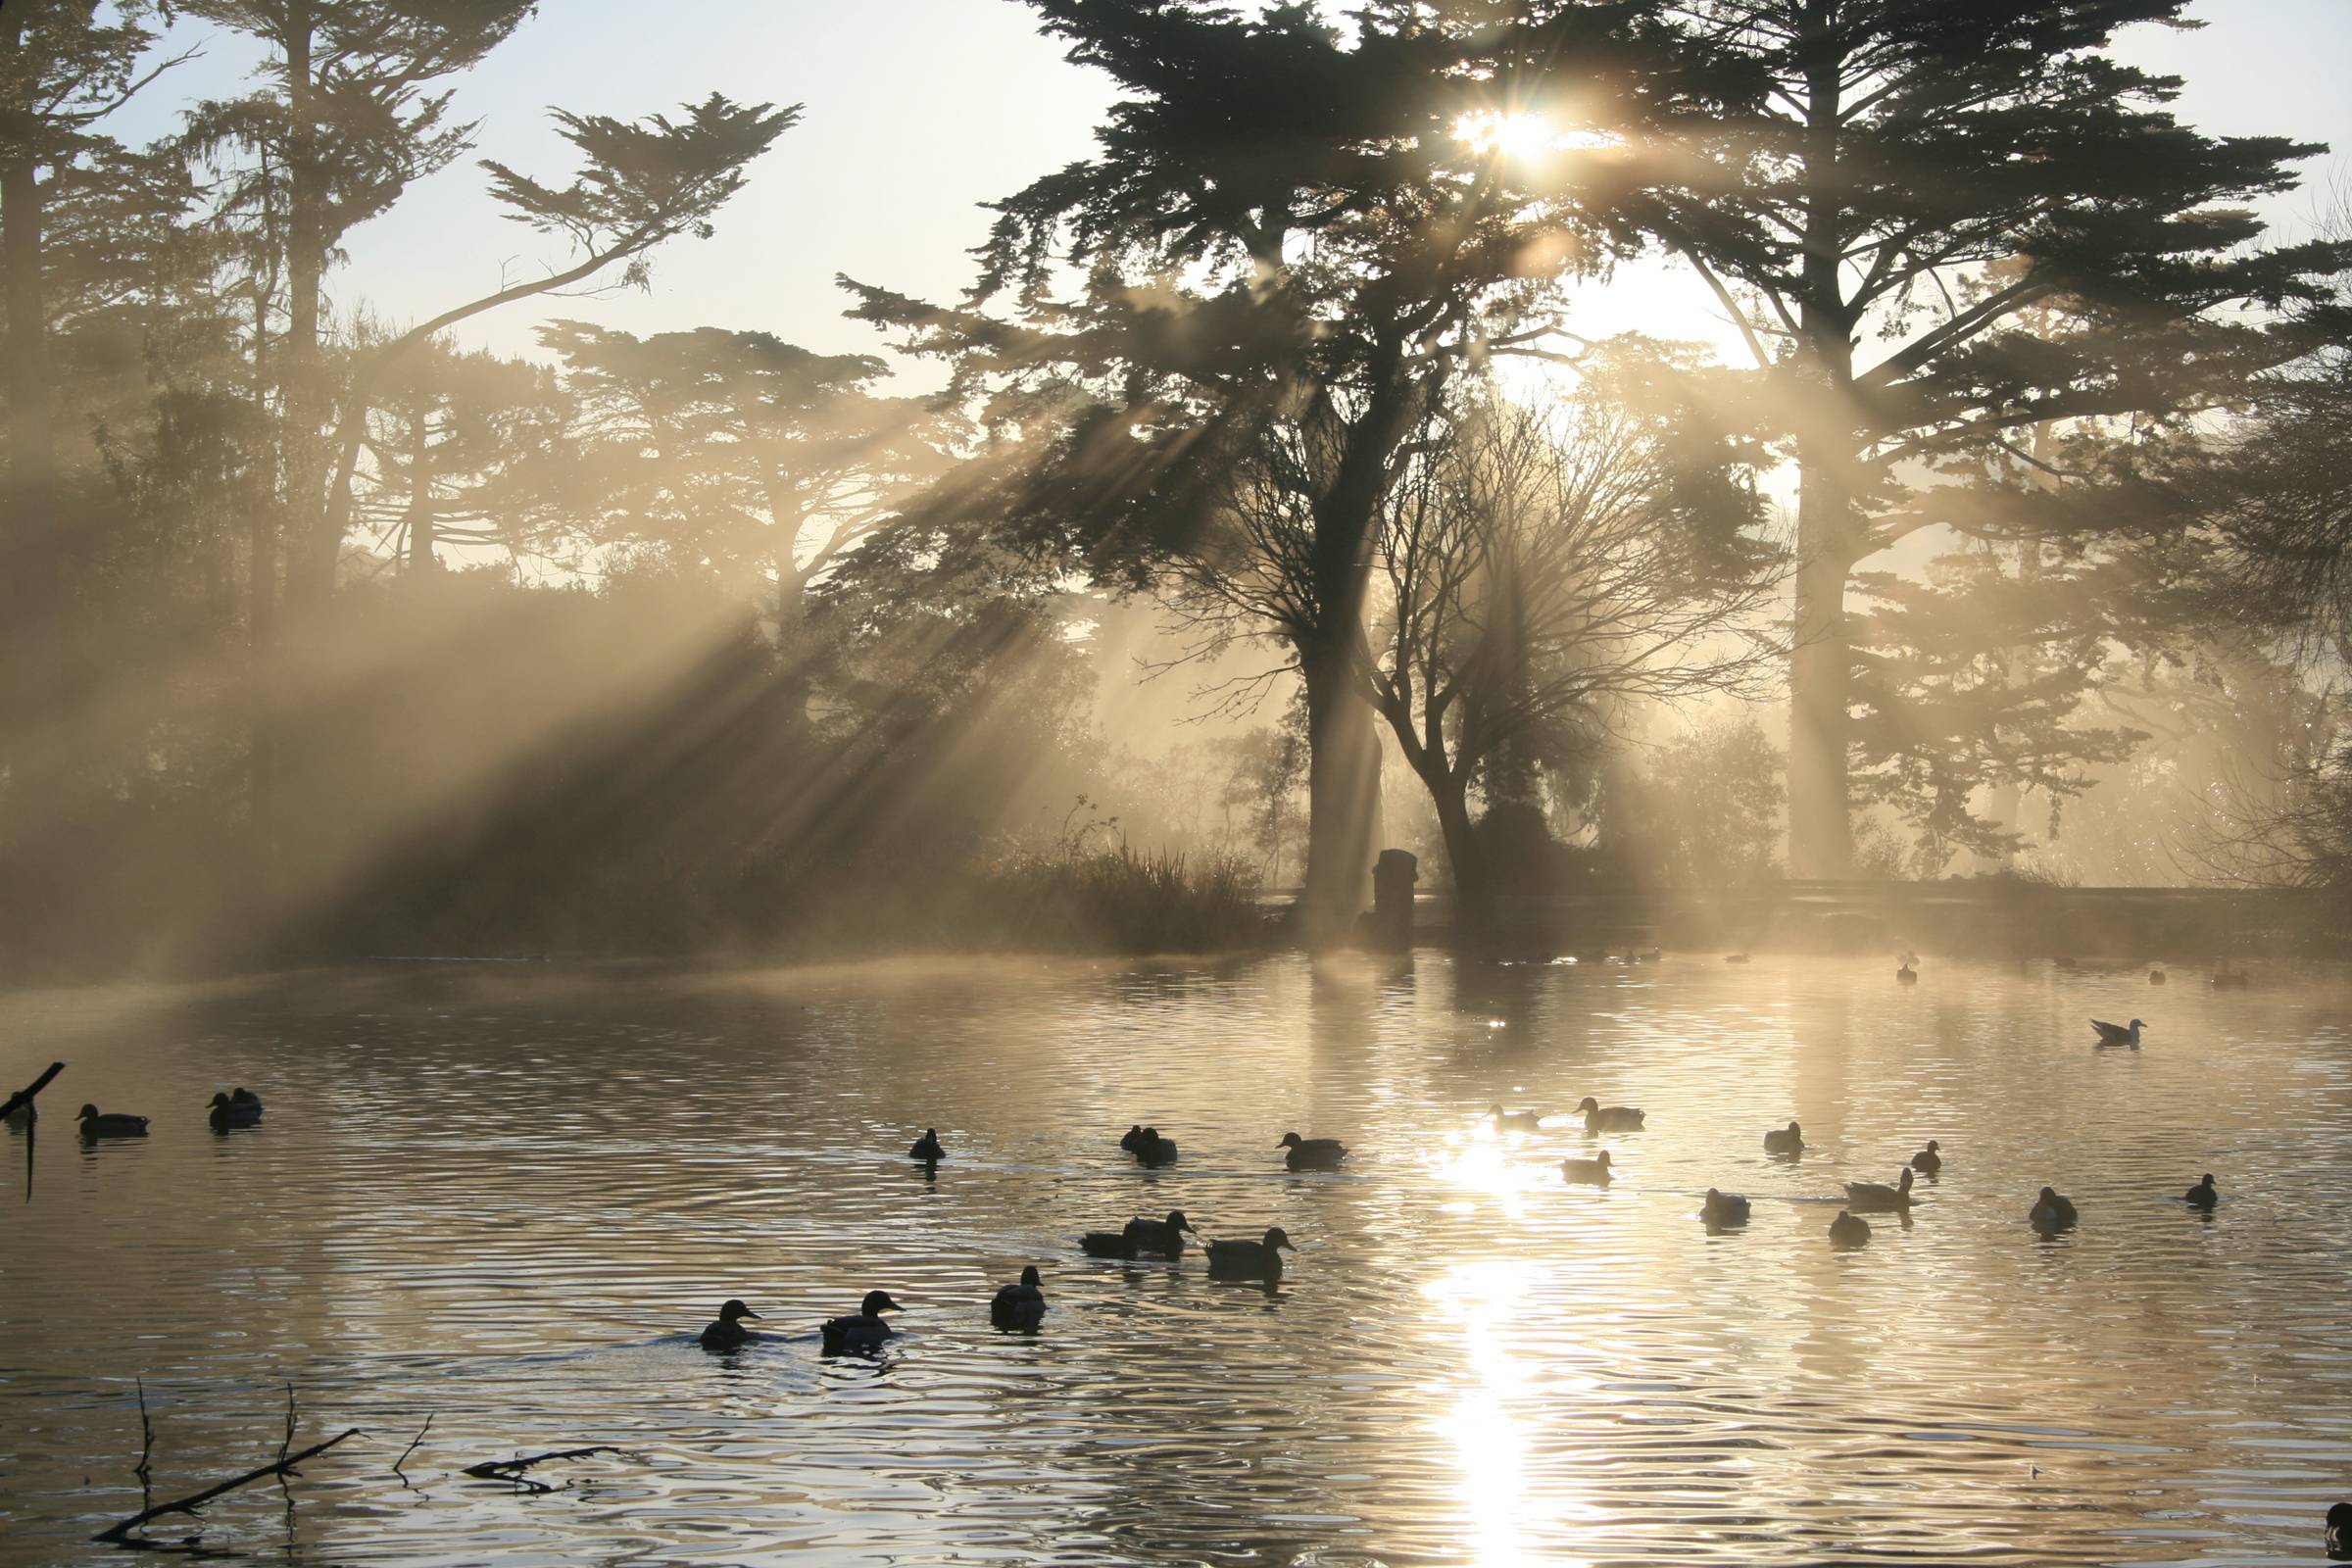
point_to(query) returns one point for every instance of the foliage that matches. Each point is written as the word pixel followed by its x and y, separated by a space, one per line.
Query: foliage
pixel 1707 811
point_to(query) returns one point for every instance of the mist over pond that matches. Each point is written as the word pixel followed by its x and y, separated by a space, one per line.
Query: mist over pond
pixel 507 1200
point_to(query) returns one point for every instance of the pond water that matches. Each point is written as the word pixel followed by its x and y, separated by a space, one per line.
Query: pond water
pixel 506 1200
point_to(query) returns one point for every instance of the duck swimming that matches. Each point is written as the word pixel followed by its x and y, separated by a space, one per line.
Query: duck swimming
pixel 1789 1140
pixel 1593 1172
pixel 728 1332
pixel 1720 1209
pixel 865 1329
pixel 927 1147
pixel 1021 1306
pixel 1142 1238
pixel 1929 1160
pixel 2052 1212
pixel 111 1124
pixel 1600 1119
pixel 1906 977
pixel 1151 1149
pixel 1260 1260
pixel 1312 1154
pixel 2204 1195
pixel 2155 977
pixel 1876 1197
pixel 1848 1231
pixel 1516 1121
pixel 2339 1532
pixel 226 1113
pixel 2116 1034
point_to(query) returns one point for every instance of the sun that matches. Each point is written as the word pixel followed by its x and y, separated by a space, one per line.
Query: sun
pixel 1520 135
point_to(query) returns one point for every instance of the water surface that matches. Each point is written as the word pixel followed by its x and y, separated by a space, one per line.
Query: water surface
pixel 507 1198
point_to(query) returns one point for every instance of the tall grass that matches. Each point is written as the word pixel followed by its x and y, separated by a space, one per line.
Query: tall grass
pixel 1110 900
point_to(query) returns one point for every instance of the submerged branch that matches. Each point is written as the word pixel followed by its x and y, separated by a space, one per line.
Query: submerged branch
pixel 283 1465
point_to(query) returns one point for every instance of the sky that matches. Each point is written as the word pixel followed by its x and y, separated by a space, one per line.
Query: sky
pixel 919 111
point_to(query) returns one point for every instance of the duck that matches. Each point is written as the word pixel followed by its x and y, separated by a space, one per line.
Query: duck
pixel 242 1096
pixel 863 1330
pixel 2116 1034
pixel 1929 1160
pixel 1593 1172
pixel 2155 977
pixel 2203 1195
pixel 1600 1119
pixel 1906 977
pixel 1131 1138
pixel 1789 1140
pixel 2052 1212
pixel 2339 1532
pixel 1260 1260
pixel 1877 1198
pixel 1020 1305
pixel 927 1147
pixel 225 1113
pixel 1723 1208
pixel 1516 1121
pixel 727 1332
pixel 1142 1238
pixel 1849 1230
pixel 1312 1154
pixel 1153 1149
pixel 111 1124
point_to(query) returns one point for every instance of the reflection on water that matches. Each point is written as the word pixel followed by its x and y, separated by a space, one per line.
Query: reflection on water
pixel 509 1200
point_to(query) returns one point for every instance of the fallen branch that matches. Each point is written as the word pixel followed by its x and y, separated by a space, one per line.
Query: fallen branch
pixel 512 1469
pixel 146 1444
pixel 283 1466
pixel 412 1448
pixel 24 1096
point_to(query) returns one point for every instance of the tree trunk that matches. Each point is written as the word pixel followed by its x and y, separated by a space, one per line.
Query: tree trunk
pixel 1343 790
pixel 1820 838
pixel 1465 861
pixel 261 616
pixel 310 557
pixel 31 543
pixel 419 519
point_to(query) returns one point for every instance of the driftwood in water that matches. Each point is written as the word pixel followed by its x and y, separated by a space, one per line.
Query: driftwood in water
pixel 512 1469
pixel 283 1465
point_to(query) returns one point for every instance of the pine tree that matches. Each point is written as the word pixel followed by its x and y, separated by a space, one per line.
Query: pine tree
pixel 2018 217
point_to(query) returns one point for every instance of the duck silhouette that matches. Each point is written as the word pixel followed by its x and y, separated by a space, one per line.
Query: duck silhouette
pixel 927 1147
pixel 2116 1034
pixel 1020 1305
pixel 727 1332
pixel 1722 1209
pixel 111 1124
pixel 863 1329
pixel 1142 1238
pixel 1260 1260
pixel 2155 977
pixel 1516 1121
pixel 2204 1195
pixel 226 1112
pixel 1906 977
pixel 2339 1532
pixel 1600 1119
pixel 1312 1154
pixel 1593 1172
pixel 1848 1230
pixel 1877 1198
pixel 1152 1149
pixel 1929 1160
pixel 2052 1212
pixel 1789 1140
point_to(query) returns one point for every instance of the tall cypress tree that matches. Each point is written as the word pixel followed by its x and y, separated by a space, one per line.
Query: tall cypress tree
pixel 1941 224
pixel 1285 222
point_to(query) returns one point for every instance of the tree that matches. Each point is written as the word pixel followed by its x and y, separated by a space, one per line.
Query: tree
pixel 1932 173
pixel 1548 567
pixel 1289 225
pixel 62 71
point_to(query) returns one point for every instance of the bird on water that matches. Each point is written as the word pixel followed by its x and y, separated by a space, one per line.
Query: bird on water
pixel 227 1112
pixel 1600 1119
pixel 1720 1209
pixel 1848 1230
pixel 1877 1198
pixel 2052 1212
pixel 1929 1160
pixel 111 1124
pixel 2116 1034
pixel 2339 1532
pixel 1020 1305
pixel 1593 1172
pixel 1260 1260
pixel 1789 1140
pixel 2204 1195
pixel 727 1332
pixel 863 1329
pixel 1312 1154
pixel 927 1147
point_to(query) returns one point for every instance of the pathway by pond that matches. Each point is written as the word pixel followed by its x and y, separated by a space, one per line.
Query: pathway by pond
pixel 508 1201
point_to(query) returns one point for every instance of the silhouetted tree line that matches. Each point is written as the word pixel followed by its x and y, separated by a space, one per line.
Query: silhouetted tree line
pixel 325 637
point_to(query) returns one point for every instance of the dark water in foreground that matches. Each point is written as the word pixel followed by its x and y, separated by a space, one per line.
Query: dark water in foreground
pixel 503 1200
